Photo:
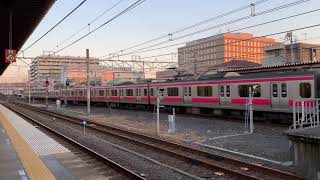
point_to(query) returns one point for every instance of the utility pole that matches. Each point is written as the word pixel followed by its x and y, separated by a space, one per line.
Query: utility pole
pixel 10 28
pixel 290 36
pixel 158 112
pixel 194 64
pixel 88 82
pixel 29 86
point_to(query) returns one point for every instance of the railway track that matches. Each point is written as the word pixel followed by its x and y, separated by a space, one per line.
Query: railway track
pixel 93 159
pixel 218 166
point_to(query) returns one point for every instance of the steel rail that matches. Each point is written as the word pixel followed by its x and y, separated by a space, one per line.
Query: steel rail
pixel 206 157
pixel 119 168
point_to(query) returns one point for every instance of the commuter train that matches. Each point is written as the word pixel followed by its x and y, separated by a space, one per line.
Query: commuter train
pixel 272 92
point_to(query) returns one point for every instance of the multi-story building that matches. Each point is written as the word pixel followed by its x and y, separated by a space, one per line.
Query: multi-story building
pixel 197 56
pixel 102 75
pixel 51 68
pixel 295 53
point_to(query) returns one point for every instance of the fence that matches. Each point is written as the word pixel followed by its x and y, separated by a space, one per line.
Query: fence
pixel 305 113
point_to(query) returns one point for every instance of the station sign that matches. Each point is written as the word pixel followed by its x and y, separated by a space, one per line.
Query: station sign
pixel 10 55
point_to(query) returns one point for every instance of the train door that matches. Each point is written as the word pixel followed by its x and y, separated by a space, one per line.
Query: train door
pixel 138 95
pixel 225 95
pixel 187 95
pixel 279 98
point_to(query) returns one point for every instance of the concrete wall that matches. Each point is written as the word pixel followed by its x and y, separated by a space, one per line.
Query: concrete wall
pixel 306 157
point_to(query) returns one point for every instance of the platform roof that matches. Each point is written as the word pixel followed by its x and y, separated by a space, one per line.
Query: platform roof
pixel 26 15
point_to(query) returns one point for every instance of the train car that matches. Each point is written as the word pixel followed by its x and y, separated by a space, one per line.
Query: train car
pixel 272 92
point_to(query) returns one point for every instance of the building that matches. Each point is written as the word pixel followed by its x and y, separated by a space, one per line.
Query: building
pixel 51 68
pixel 295 53
pixel 101 75
pixel 232 64
pixel 197 56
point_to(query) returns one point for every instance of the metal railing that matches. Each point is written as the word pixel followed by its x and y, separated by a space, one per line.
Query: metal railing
pixel 305 113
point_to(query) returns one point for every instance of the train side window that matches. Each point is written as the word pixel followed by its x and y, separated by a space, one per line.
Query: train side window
pixel 305 90
pixel 227 91
pixel 137 92
pixel 244 90
pixel 204 91
pixel 145 92
pixel 129 92
pixel 189 91
pixel 221 91
pixel 284 90
pixel 101 92
pixel 185 91
pixel 80 93
pixel 151 92
pixel 173 91
pixel 274 90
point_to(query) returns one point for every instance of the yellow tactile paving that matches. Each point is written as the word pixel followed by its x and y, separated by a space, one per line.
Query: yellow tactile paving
pixel 35 168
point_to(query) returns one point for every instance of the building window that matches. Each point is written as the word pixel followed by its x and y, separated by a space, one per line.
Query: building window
pixel 173 91
pixel 305 90
pixel 244 90
pixel 129 92
pixel 204 91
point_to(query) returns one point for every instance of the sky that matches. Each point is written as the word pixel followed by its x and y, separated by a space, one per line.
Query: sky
pixel 155 18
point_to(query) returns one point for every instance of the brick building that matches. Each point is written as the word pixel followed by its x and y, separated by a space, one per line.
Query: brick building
pixel 199 55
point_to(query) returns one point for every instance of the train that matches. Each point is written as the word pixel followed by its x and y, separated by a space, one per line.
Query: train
pixel 272 92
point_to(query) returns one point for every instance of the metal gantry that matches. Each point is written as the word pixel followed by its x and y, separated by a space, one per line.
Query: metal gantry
pixel 138 63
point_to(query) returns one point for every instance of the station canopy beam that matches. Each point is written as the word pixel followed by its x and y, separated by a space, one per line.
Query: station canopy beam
pixel 25 15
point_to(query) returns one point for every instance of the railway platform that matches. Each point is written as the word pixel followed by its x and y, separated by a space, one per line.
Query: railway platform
pixel 28 153
pixel 305 145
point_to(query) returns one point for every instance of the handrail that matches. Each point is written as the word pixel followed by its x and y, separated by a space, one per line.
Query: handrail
pixel 305 113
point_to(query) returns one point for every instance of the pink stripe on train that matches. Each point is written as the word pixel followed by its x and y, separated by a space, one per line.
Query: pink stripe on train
pixel 263 102
pixel 205 100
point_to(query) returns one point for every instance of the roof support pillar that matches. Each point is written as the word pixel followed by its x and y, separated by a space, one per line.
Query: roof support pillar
pixel 10 28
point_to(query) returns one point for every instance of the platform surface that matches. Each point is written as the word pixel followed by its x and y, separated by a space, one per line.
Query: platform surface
pixel 12 168
pixel 28 153
pixel 309 133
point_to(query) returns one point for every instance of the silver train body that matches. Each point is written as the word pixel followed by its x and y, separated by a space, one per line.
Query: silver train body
pixel 273 92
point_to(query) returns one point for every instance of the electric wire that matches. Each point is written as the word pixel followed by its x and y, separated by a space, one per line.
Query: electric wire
pixel 253 38
pixel 86 26
pixel 137 3
pixel 193 25
pixel 219 25
pixel 53 27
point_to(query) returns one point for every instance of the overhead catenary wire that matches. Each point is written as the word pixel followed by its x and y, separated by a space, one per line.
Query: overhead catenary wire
pixel 223 24
pixel 86 26
pixel 239 29
pixel 253 38
pixel 132 6
pixel 244 40
pixel 53 27
pixel 218 26
pixel 193 25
